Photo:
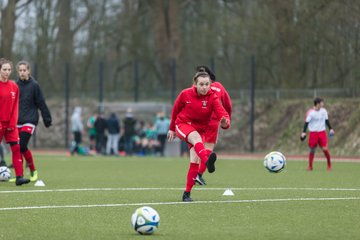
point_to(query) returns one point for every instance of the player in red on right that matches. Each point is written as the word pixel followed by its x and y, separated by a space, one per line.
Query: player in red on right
pixel 316 120
pixel 212 130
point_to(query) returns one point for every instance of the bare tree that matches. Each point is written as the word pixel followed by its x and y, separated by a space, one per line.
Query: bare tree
pixel 67 28
pixel 166 22
pixel 7 26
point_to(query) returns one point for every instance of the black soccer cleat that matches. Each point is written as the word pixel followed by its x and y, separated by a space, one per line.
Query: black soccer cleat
pixel 199 179
pixel 210 164
pixel 20 181
pixel 186 197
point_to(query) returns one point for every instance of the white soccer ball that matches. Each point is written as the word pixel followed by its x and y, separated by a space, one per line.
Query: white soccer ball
pixel 145 220
pixel 275 162
pixel 5 173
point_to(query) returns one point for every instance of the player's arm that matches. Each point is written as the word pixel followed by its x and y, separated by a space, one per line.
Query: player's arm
pixel 303 134
pixel 331 130
pixel 177 107
pixel 226 101
pixel 41 104
pixel 306 124
pixel 327 122
pixel 221 113
pixel 14 115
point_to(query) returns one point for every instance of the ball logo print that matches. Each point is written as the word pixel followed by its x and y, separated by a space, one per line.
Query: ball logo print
pixel 5 173
pixel 275 162
pixel 145 220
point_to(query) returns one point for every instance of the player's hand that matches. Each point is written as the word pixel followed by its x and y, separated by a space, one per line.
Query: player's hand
pixel 171 135
pixel 303 136
pixel 224 122
pixel 331 133
pixel 47 123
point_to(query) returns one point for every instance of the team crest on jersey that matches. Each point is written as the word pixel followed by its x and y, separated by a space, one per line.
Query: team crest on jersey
pixel 204 104
pixel 13 94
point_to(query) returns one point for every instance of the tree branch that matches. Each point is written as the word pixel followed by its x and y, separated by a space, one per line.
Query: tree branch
pixel 85 19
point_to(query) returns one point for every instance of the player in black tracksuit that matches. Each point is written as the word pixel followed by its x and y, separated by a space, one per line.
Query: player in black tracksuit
pixel 30 102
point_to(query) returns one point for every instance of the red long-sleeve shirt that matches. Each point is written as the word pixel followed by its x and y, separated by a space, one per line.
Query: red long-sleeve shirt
pixel 9 103
pixel 196 110
pixel 224 97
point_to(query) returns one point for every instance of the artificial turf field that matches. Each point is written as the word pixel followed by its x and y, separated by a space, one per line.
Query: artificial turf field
pixel 94 198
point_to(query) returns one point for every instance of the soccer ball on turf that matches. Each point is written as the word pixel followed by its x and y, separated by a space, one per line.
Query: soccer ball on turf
pixel 275 162
pixel 145 220
pixel 5 173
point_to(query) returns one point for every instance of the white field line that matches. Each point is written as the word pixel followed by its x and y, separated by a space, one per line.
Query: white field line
pixel 176 203
pixel 177 189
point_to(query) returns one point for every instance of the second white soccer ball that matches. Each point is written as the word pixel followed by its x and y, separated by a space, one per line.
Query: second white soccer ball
pixel 5 173
pixel 145 220
pixel 275 162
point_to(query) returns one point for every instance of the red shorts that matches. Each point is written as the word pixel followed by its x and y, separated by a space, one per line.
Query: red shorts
pixel 27 127
pixel 212 132
pixel 12 136
pixel 316 138
pixel 183 130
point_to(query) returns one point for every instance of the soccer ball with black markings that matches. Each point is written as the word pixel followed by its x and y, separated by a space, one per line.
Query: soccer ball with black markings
pixel 145 220
pixel 5 173
pixel 275 162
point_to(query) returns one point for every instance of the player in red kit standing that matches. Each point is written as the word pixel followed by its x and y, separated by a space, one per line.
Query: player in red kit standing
pixel 212 131
pixel 316 120
pixel 191 114
pixel 9 110
pixel 31 100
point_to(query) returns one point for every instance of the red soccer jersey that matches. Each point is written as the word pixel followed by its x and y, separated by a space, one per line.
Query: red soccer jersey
pixel 196 110
pixel 9 103
pixel 223 95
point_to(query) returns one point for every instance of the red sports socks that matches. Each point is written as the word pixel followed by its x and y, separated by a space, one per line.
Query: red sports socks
pixel 16 160
pixel 327 155
pixel 201 152
pixel 191 176
pixel 29 159
pixel 311 160
pixel 202 167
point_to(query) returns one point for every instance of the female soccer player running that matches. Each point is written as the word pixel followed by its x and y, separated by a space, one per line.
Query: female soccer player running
pixel 9 110
pixel 191 115
pixel 316 120
pixel 212 131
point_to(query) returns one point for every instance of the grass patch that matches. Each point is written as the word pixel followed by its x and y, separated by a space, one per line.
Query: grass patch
pixel 293 204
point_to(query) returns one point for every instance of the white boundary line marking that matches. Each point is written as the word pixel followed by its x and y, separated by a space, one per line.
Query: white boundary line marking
pixel 177 189
pixel 176 203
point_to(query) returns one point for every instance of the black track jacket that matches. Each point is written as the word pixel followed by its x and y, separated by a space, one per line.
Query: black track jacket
pixel 31 100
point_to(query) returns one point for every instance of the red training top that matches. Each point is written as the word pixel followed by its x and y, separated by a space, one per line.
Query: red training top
pixel 9 103
pixel 196 110
pixel 224 97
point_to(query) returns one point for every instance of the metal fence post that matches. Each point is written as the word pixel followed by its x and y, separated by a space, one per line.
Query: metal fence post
pixel 136 80
pixel 101 87
pixel 36 77
pixel 173 78
pixel 252 102
pixel 67 96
